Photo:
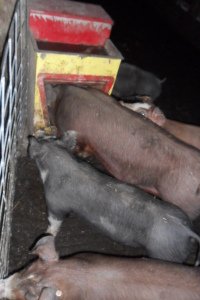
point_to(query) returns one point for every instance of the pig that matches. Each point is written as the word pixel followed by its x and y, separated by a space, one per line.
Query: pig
pixel 123 212
pixel 133 83
pixel 89 276
pixel 190 134
pixel 129 146
pixel 147 110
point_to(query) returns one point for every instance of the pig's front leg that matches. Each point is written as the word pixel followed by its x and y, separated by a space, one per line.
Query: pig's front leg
pixel 54 225
pixel 50 294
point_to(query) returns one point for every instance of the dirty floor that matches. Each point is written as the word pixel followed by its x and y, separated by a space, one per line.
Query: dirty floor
pixel 147 41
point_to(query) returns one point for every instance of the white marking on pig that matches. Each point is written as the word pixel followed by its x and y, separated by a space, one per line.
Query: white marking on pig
pixel 30 276
pixel 54 225
pixel 59 293
pixel 6 286
pixel 44 174
pixel 135 106
pixel 109 226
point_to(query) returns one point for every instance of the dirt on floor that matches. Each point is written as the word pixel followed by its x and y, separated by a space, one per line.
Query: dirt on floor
pixel 145 40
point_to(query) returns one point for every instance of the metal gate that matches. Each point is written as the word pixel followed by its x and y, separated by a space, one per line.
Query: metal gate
pixel 13 112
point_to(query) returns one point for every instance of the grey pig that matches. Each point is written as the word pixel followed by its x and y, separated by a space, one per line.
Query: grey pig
pixel 125 213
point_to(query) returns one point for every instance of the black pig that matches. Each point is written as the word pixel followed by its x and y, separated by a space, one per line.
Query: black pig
pixel 133 83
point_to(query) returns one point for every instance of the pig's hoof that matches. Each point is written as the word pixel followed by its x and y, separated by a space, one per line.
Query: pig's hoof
pixel 59 293
pixel 70 139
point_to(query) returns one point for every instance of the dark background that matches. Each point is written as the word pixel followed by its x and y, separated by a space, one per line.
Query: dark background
pixel 149 39
pixel 154 36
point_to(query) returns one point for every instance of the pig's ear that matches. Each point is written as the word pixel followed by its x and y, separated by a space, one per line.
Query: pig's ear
pixel 45 249
pixel 158 116
pixel 49 293
pixel 162 80
pixel 69 140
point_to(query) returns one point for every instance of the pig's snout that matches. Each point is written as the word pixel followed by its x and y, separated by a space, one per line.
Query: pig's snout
pixel 33 146
pixel 36 147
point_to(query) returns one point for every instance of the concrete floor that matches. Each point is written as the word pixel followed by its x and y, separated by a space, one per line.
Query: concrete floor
pixel 145 40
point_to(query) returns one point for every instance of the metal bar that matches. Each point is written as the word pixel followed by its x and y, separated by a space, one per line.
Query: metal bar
pixel 12 115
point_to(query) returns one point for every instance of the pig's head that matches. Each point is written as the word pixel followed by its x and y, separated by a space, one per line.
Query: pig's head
pixel 53 93
pixel 147 110
pixel 155 115
pixel 28 284
pixel 38 147
pixel 33 147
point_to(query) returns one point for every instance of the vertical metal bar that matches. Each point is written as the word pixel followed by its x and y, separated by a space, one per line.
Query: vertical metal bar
pixel 12 114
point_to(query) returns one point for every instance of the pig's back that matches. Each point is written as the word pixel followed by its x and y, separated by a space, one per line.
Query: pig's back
pixel 99 117
pixel 102 277
pixel 116 134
